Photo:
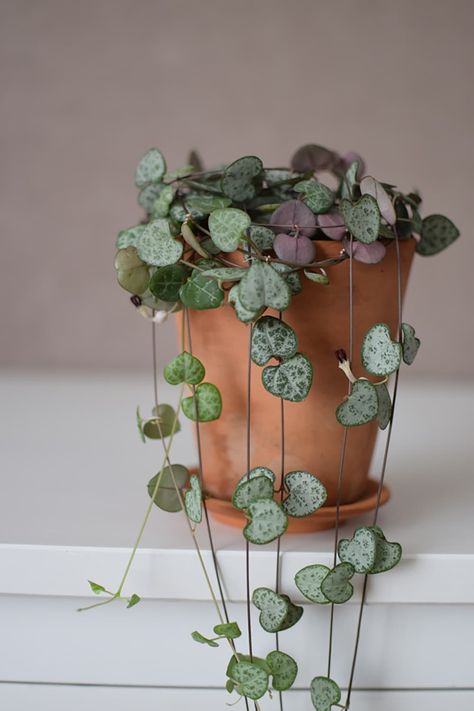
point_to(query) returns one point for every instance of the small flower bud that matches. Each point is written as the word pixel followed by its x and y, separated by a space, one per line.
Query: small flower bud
pixel 136 300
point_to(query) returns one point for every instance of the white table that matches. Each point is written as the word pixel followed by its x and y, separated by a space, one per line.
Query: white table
pixel 74 476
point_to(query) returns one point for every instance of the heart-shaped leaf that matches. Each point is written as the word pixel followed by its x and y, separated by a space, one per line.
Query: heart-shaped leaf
pixel 263 286
pixel 205 405
pixel 201 292
pixel 336 586
pixel 313 158
pixel 262 237
pixel 198 637
pixel 380 355
pixel 148 195
pixel 317 196
pixel 132 272
pixel 360 407
pixel 243 314
pixel 294 217
pixel 387 555
pixel 206 204
pixel 292 278
pixel 437 233
pixel 291 380
pixel 292 616
pixel 284 670
pixel 251 680
pixel 128 237
pixel 272 338
pixel 256 472
pixel 410 343
pixel 163 423
pixel 193 500
pixel 273 608
pixel 227 227
pixel 156 245
pixel 242 179
pixel 305 494
pixel 151 168
pixel 362 218
pixel 370 186
pixel 236 658
pixel 308 581
pixel 267 522
pixel 331 224
pixel 161 206
pixel 166 497
pixel 297 250
pixel 366 253
pixel 384 412
pixel 166 282
pixel 360 550
pixel 260 487
pixel 325 693
pixel 184 368
pixel 229 630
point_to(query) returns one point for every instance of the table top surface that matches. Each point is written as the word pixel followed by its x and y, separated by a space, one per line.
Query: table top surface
pixel 74 470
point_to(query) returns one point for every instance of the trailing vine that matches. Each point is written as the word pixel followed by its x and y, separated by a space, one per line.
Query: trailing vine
pixel 246 237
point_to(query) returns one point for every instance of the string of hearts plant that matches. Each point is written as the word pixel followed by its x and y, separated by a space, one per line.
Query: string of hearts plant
pixel 244 237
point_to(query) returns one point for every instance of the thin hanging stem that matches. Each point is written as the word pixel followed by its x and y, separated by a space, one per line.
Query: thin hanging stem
pixel 382 476
pixel 342 457
pixel 201 477
pixel 248 445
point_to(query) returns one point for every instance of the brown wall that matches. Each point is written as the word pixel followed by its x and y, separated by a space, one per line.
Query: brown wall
pixel 88 85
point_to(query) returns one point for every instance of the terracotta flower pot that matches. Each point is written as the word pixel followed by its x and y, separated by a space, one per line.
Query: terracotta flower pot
pixel 320 318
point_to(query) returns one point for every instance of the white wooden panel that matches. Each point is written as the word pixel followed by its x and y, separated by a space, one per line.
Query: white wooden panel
pixel 20 697
pixel 402 646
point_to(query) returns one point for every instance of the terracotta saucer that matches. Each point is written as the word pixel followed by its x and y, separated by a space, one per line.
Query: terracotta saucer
pixel 323 518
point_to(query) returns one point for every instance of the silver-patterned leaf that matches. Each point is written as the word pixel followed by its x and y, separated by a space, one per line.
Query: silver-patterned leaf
pixel 410 343
pixel 267 522
pixel 317 196
pixel 306 493
pixel 263 286
pixel 308 581
pixel 151 168
pixel 227 227
pixel 380 355
pixel 362 218
pixel 360 407
pixel 156 246
pixel 384 411
pixel 336 586
pixel 272 338
pixel 259 487
pixel 291 380
pixel 437 233
pixel 242 179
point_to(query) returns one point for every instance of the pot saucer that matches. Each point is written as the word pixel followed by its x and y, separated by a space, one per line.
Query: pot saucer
pixel 323 518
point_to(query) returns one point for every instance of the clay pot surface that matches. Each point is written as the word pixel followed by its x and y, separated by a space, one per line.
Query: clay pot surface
pixel 313 437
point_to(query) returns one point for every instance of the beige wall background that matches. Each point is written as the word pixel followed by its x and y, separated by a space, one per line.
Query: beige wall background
pixel 87 86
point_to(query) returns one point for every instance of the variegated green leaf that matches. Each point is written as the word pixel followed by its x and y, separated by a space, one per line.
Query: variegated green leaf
pixel 263 286
pixel 184 368
pixel 272 338
pixel 267 522
pixel 308 581
pixel 193 500
pixel 205 405
pixel 317 196
pixel 156 246
pixel 410 343
pixel 151 168
pixel 243 178
pixel 384 411
pixel 336 586
pixel 360 407
pixel 306 494
pixel 227 227
pixel 437 233
pixel 360 550
pixel 380 355
pixel 284 670
pixel 291 380
pixel 362 218
pixel 260 487
pixel 325 693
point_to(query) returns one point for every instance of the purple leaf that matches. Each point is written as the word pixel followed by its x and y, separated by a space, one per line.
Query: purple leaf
pixel 366 253
pixel 312 158
pixel 293 215
pixel 332 225
pixel 297 250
